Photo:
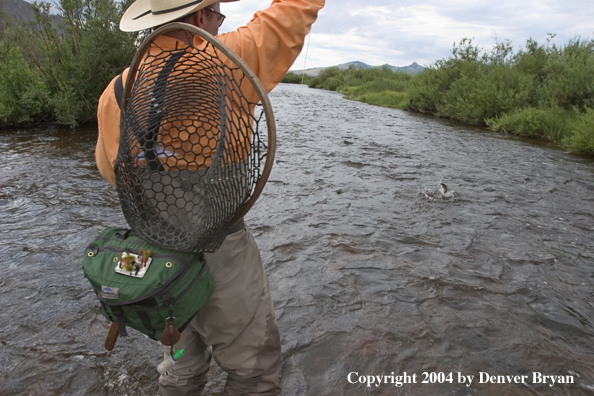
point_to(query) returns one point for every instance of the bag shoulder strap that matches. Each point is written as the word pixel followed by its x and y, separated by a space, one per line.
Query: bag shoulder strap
pixel 147 139
pixel 118 89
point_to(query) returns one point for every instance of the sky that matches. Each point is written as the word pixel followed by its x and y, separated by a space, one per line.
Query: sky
pixel 402 32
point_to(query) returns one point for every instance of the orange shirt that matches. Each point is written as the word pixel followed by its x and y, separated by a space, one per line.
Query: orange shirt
pixel 269 44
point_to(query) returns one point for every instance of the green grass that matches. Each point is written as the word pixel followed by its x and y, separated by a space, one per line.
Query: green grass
pixel 397 100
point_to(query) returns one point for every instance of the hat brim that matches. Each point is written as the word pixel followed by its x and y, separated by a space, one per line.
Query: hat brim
pixel 139 17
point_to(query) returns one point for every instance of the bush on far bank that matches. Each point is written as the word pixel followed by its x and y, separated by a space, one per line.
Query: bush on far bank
pixel 294 78
pixel 542 91
pixel 581 138
pixel 24 97
pixel 67 61
pixel 378 86
pixel 547 123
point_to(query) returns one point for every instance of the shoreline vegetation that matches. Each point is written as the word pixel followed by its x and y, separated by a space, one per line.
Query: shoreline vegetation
pixel 542 91
pixel 54 68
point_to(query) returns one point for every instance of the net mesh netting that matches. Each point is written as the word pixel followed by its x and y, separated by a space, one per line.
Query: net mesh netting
pixel 192 148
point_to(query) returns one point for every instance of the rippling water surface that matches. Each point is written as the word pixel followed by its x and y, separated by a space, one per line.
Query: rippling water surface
pixel 372 268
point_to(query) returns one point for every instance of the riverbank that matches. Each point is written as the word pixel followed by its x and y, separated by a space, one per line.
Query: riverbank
pixel 543 91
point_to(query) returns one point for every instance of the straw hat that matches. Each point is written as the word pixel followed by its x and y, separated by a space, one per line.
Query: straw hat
pixel 144 14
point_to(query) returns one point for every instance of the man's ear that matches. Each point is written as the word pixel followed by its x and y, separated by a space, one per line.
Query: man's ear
pixel 199 18
pixel 193 18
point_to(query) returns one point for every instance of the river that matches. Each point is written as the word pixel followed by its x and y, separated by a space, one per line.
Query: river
pixel 373 269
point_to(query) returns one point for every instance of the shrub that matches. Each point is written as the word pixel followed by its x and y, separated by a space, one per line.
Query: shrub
pixel 544 123
pixel 485 91
pixel 582 133
pixel 427 89
pixel 332 83
pixel 23 95
pixel 293 78
pixel 329 72
pixel 314 82
pixel 570 75
pixel 79 55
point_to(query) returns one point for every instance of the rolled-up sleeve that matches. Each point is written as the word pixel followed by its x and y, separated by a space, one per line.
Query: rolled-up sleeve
pixel 274 38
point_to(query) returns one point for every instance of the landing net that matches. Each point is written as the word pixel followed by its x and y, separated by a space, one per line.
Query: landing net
pixel 197 140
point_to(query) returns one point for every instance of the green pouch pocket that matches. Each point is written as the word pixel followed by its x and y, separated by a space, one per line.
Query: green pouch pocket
pixel 141 291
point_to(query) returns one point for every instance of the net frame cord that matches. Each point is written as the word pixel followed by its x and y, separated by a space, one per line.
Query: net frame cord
pixel 291 150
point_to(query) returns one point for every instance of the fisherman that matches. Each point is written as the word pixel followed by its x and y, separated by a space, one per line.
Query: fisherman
pixel 237 326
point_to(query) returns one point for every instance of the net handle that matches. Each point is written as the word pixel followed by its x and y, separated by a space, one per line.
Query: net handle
pixel 253 79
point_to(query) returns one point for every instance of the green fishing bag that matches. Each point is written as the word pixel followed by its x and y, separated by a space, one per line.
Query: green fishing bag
pixel 145 290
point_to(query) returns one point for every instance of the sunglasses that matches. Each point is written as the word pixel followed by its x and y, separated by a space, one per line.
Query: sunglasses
pixel 220 17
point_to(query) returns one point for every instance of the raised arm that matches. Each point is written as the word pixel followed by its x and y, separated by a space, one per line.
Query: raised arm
pixel 274 38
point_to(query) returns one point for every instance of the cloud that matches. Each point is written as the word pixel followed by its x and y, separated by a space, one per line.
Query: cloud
pixel 406 31
pixel 379 15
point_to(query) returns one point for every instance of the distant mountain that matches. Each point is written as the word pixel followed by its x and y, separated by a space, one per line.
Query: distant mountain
pixel 17 9
pixel 20 11
pixel 413 68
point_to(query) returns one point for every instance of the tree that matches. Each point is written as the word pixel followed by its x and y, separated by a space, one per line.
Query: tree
pixel 78 56
pixel 23 95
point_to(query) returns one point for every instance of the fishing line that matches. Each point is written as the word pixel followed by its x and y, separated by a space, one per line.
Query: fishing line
pixel 292 146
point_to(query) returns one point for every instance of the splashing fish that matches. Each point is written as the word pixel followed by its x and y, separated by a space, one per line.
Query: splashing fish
pixel 441 192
